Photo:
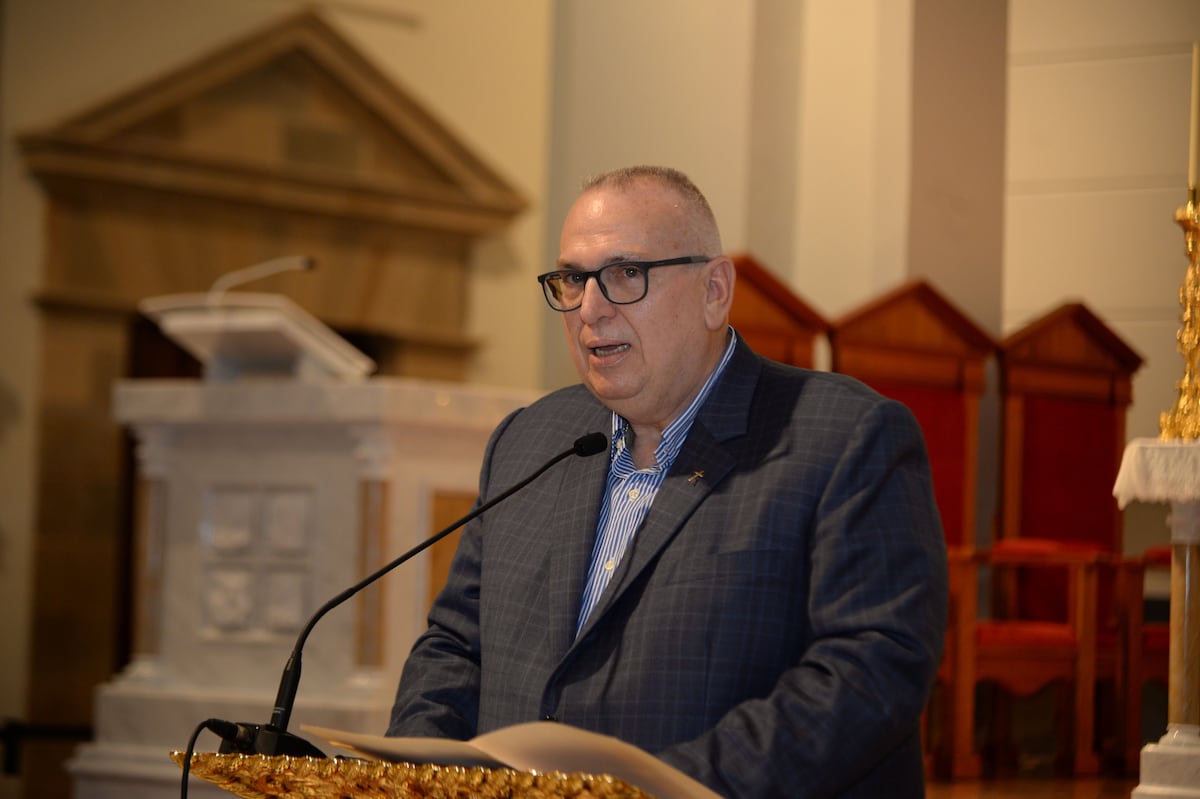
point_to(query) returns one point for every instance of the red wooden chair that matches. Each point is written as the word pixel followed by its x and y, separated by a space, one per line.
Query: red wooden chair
pixel 1023 655
pixel 1066 386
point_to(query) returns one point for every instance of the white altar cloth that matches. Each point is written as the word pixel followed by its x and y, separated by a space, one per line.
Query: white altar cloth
pixel 1159 471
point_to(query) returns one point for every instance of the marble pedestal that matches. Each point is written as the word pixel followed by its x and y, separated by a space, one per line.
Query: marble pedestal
pixel 260 500
pixel 1171 768
pixel 1169 471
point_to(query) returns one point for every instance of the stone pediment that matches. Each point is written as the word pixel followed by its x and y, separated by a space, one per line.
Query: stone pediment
pixel 292 117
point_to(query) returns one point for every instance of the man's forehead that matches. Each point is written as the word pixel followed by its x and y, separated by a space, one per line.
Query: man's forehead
pixel 636 207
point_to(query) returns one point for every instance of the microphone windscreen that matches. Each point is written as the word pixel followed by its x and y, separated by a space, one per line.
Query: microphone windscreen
pixel 591 444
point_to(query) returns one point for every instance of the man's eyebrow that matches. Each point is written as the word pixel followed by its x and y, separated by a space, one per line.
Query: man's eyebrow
pixel 567 266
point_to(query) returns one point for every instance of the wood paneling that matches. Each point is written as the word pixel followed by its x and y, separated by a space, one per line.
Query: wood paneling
pixel 447 507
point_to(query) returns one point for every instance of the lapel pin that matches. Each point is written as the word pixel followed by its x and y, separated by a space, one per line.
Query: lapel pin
pixel 695 476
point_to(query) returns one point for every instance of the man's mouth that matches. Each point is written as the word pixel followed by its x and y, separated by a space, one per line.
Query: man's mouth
pixel 612 349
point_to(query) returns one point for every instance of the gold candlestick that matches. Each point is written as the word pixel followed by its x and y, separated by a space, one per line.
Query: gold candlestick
pixel 1183 420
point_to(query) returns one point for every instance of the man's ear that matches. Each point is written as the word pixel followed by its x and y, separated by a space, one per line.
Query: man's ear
pixel 718 292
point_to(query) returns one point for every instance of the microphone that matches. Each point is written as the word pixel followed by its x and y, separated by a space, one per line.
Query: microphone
pixel 273 738
pixel 248 274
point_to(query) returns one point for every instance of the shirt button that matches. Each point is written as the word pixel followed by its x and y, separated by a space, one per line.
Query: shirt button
pixel 633 493
pixel 609 565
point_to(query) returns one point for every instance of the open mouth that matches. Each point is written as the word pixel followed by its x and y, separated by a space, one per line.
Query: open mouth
pixel 613 349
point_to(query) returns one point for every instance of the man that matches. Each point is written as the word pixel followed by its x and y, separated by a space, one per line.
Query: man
pixel 751 586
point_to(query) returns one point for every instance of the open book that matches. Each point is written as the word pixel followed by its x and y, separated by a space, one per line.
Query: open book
pixel 536 746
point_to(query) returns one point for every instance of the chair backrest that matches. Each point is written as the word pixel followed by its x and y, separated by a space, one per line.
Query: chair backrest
pixel 771 317
pixel 1065 383
pixel 914 346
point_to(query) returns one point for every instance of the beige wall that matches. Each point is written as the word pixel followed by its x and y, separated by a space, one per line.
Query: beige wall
pixel 956 213
pixel 850 232
pixel 635 82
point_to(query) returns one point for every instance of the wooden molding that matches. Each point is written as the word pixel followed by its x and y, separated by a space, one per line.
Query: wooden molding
pixel 398 164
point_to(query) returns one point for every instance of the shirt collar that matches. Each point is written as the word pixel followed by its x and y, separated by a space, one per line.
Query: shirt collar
pixel 676 432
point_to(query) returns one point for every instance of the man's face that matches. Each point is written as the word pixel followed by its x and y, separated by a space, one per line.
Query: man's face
pixel 646 360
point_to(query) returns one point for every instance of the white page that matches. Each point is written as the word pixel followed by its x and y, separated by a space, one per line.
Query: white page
pixel 549 746
pixel 440 751
pixel 536 746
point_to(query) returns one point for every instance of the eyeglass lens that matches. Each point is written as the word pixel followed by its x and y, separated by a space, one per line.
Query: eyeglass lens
pixel 620 283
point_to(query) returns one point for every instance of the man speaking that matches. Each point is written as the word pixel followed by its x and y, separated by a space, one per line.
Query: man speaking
pixel 751 586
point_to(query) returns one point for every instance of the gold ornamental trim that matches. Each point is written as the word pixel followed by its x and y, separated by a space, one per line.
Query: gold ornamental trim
pixel 1183 420
pixel 262 777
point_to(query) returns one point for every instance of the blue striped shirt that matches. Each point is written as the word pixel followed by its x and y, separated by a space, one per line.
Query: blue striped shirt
pixel 630 491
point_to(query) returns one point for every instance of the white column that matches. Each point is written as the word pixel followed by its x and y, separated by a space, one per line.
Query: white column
pixel 1171 767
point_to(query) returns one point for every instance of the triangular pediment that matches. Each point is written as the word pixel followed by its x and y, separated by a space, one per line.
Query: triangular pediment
pixel 1070 337
pixel 913 317
pixel 292 116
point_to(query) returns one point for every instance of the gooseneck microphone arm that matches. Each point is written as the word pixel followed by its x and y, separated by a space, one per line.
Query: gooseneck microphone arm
pixel 273 738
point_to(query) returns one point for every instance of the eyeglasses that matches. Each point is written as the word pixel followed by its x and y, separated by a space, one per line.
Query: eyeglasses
pixel 621 283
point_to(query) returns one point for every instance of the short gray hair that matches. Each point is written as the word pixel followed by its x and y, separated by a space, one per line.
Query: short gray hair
pixel 625 177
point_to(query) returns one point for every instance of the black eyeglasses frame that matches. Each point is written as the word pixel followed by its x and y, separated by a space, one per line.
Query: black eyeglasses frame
pixel 644 266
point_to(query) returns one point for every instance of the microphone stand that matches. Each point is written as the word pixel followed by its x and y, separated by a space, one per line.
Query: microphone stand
pixel 238 277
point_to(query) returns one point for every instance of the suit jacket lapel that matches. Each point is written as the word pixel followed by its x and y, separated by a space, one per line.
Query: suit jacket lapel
pixel 573 524
pixel 702 463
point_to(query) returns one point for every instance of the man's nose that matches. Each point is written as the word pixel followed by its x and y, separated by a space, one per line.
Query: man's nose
pixel 595 304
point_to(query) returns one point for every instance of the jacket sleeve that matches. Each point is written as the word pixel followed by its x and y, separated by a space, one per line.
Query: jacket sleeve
pixel 877 608
pixel 438 694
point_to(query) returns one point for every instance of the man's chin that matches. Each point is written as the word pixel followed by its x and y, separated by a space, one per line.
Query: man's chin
pixel 612 395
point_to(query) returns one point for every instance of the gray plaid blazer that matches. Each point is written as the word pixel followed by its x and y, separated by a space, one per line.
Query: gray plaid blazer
pixel 774 629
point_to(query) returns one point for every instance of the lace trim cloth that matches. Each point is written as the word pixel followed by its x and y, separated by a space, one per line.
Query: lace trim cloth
pixel 1159 471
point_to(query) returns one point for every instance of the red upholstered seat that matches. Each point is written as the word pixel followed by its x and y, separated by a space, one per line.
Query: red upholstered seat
pixel 1024 634
pixel 1024 655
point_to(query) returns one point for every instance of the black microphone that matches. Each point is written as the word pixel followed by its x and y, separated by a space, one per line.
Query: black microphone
pixel 273 738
